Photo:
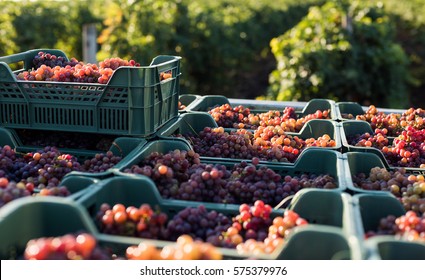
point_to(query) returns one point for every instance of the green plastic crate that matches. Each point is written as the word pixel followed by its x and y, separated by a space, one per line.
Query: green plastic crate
pixel 360 162
pixel 207 102
pixel 135 190
pixel 331 164
pixel 195 122
pixel 78 182
pixel 353 128
pixel 389 248
pixel 355 109
pixel 307 165
pixel 311 242
pixel 134 102
pixel 345 108
pixel 126 147
pixel 28 218
pixel 326 217
pixel 331 161
pixel 191 122
pixel 369 208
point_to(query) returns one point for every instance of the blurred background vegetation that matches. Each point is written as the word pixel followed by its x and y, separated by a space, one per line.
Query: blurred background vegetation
pixel 371 51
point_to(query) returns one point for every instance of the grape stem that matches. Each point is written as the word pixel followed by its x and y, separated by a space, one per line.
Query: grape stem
pixel 283 201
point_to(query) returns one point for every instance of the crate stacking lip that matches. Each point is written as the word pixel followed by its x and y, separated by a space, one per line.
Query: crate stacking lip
pixel 134 102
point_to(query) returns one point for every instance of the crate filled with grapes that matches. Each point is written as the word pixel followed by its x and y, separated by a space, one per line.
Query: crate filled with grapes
pixel 365 173
pixel 266 143
pixel 53 229
pixel 130 207
pixel 393 120
pixel 116 96
pixel 289 117
pixel 387 229
pixel 28 218
pixel 405 150
pixel 39 168
pixel 178 172
pixel 377 117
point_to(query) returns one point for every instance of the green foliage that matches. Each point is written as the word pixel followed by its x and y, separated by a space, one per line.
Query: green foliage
pixel 224 44
pixel 7 46
pixel 409 17
pixel 342 55
pixel 44 24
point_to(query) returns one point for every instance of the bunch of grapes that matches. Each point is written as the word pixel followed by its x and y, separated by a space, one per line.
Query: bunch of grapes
pixel 406 150
pixel 167 170
pixel 377 119
pixel 51 60
pixel 408 188
pixel 143 222
pixel 252 222
pixel 82 246
pixel 185 248
pixel 197 222
pixel 43 168
pixel 10 191
pixel 386 226
pixel 101 162
pixel 139 221
pixel 47 167
pixel 279 230
pixel 41 172
pixel 254 232
pixel 392 122
pixel 232 117
pixel 378 140
pixel 116 62
pixel 207 182
pixel 48 67
pixel 409 226
pixel 181 106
